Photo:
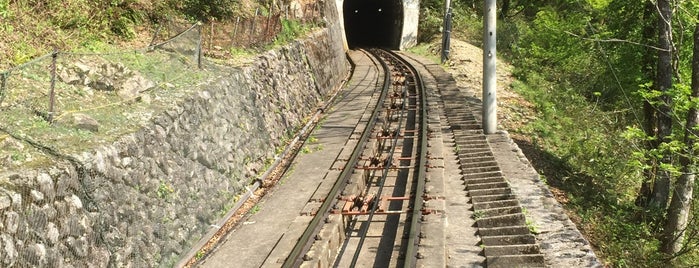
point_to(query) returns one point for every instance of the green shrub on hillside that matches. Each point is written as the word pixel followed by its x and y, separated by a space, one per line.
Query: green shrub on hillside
pixel 205 10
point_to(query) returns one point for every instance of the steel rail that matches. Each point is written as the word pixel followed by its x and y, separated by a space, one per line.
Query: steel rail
pixel 294 259
pixel 412 244
pixel 385 171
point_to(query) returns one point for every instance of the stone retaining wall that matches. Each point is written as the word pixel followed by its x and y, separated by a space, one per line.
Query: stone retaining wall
pixel 144 200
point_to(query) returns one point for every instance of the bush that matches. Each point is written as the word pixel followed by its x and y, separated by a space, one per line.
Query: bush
pixel 205 10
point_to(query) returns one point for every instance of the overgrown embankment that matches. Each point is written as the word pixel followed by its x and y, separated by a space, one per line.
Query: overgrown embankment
pixel 33 28
pixel 586 71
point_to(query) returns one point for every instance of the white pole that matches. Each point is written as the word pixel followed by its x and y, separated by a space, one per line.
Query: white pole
pixel 489 78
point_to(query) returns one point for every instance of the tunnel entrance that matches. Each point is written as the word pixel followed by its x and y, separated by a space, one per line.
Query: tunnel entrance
pixel 373 23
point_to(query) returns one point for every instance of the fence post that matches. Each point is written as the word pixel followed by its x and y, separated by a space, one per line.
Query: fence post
pixel 305 13
pixel 277 24
pixel 198 52
pixel 252 26
pixel 155 36
pixel 211 37
pixel 269 16
pixel 3 83
pixel 52 93
pixel 235 31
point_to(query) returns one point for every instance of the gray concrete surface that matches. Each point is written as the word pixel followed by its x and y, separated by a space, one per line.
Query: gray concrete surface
pixel 266 237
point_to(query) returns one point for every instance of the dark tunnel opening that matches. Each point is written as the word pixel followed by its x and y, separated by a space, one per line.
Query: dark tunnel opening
pixel 373 23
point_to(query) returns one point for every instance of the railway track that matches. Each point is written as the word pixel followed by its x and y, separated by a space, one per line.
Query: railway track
pixel 371 214
pixel 383 200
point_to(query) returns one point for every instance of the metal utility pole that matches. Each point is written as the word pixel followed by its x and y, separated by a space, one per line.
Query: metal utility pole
pixel 489 78
pixel 446 31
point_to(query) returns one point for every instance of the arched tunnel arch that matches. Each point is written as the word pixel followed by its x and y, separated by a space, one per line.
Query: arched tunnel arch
pixel 373 23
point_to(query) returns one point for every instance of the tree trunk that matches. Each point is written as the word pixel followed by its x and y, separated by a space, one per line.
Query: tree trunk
pixel 649 115
pixel 680 207
pixel 661 187
pixel 504 9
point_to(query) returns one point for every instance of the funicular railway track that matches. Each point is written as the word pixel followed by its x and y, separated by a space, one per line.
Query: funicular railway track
pixel 377 200
pixel 374 229
pixel 384 202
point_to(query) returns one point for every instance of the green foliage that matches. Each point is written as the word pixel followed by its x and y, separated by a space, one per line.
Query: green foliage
pixel 532 227
pixel 623 242
pixel 430 25
pixel 425 50
pixel 164 190
pixel 306 150
pixel 4 9
pixel 478 214
pixel 122 26
pixel 290 30
pixel 205 10
pixel 581 64
pixel 598 4
pixel 199 255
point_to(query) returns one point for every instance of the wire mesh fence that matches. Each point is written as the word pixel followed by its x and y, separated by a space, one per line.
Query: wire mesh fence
pixel 100 82
pixel 72 101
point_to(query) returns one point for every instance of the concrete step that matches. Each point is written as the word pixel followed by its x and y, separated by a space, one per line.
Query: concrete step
pixel 471 131
pixel 489 183
pixel 465 155
pixel 472 145
pixel 485 180
pixel 477 160
pixel 463 137
pixel 504 240
pixel 489 162
pixel 491 198
pixel 511 250
pixel 495 204
pixel 516 219
pixel 481 169
pixel 509 261
pixel 492 212
pixel 507 230
pixel 470 141
pixel 480 175
pixel 464 125
pixel 466 150
pixel 490 192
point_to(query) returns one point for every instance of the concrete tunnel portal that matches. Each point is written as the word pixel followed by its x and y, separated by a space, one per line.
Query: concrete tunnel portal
pixel 373 23
pixel 388 24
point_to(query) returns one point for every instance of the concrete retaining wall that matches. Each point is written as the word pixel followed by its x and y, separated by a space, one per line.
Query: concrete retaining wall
pixel 144 200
